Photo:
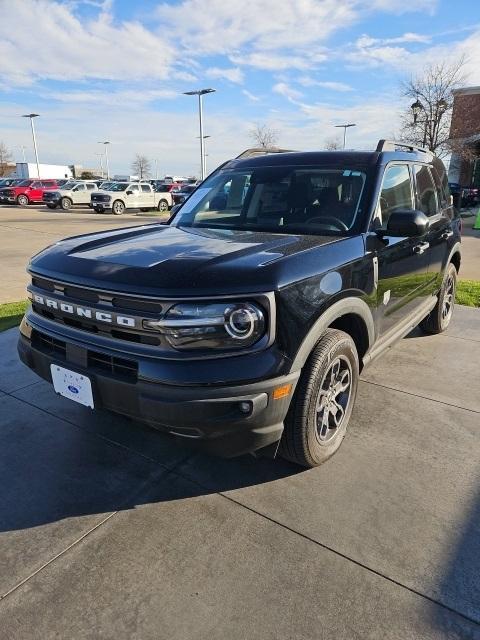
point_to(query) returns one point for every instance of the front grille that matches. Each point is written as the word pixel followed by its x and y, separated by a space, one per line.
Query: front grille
pixel 98 197
pixel 102 301
pixel 97 362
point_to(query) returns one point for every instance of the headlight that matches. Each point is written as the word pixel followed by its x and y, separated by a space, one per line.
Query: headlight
pixel 211 325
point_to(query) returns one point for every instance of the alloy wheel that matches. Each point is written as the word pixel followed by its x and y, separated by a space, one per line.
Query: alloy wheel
pixel 448 300
pixel 333 399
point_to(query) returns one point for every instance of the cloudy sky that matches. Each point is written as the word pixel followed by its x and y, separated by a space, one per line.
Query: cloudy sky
pixel 116 69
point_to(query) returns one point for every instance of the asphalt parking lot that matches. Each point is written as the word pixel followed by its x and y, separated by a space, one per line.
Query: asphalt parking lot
pixel 25 231
pixel 109 529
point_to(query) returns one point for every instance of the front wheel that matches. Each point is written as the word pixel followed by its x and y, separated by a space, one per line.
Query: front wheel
pixel 52 206
pixel 22 200
pixel 163 205
pixel 118 207
pixel 66 204
pixel 439 318
pixel 318 417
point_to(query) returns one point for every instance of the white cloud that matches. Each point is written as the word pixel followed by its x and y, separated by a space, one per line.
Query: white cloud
pixel 233 74
pixel 250 96
pixel 126 98
pixel 40 39
pixel 306 81
pixel 288 92
pixel 262 25
pixel 272 62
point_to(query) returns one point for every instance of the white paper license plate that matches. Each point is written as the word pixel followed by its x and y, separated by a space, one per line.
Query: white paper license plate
pixel 72 385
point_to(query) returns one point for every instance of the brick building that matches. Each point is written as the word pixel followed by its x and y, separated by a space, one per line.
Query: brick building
pixel 465 133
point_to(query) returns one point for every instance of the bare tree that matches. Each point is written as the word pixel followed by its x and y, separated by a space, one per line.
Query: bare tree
pixel 141 166
pixel 333 144
pixel 5 160
pixel 427 121
pixel 264 136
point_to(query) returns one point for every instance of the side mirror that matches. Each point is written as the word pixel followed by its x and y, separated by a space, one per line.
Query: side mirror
pixel 129 193
pixel 407 223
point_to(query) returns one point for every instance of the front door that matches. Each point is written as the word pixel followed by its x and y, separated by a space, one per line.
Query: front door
pixel 403 263
pixel 78 193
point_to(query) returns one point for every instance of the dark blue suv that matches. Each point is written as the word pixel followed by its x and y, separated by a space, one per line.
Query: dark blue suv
pixel 243 323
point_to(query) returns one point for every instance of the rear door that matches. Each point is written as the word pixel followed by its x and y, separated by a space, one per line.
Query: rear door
pixel 147 196
pixel 87 195
pixel 433 199
pixel 402 266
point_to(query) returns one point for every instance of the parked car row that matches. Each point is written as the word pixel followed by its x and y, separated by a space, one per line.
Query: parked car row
pixel 109 195
pixel 100 195
pixel 464 196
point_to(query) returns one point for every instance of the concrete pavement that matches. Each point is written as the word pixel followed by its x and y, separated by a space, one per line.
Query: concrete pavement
pixel 109 529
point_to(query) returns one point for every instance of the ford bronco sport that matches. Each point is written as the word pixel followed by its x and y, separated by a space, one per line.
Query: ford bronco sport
pixel 243 323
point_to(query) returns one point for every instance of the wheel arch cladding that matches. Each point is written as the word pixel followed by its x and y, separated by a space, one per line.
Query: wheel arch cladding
pixel 351 315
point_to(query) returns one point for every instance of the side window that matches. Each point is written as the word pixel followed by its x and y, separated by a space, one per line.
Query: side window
pixel 396 193
pixel 80 187
pixel 35 185
pixel 441 195
pixel 134 188
pixel 426 192
pixel 145 188
pixel 90 187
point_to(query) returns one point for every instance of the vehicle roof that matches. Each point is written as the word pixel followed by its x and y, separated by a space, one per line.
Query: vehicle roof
pixel 333 158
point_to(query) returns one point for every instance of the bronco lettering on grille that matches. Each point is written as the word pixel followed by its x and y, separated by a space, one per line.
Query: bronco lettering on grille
pixel 85 312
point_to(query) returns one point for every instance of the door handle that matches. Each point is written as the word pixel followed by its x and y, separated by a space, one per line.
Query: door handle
pixel 447 235
pixel 421 247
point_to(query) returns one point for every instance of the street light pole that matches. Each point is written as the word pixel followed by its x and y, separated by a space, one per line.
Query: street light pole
pixel 345 127
pixel 200 93
pixel 100 155
pixel 32 116
pixel 205 155
pixel 106 143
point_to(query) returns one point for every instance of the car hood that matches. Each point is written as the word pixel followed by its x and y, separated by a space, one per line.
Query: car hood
pixel 168 260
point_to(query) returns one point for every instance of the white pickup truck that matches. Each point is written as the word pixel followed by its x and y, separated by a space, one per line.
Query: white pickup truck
pixel 130 195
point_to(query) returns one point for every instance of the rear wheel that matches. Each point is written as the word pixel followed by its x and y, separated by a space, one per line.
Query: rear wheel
pixel 322 405
pixel 22 200
pixel 66 204
pixel 440 316
pixel 118 207
pixel 162 205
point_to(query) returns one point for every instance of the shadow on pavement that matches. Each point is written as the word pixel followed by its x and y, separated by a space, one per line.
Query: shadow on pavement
pixel 459 587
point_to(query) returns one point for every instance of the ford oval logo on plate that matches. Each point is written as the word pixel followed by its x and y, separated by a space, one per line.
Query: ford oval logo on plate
pixel 72 388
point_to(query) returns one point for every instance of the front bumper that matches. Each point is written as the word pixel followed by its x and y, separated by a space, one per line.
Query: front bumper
pixel 210 417
pixel 104 206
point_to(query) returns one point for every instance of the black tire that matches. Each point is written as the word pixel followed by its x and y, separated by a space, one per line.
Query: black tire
pixel 66 204
pixel 118 207
pixel 97 210
pixel 304 440
pixel 162 205
pixel 439 318
pixel 23 200
pixel 52 206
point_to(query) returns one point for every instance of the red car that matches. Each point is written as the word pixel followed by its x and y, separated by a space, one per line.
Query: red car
pixel 27 191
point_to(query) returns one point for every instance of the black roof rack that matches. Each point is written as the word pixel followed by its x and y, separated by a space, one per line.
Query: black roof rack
pixel 261 151
pixel 392 145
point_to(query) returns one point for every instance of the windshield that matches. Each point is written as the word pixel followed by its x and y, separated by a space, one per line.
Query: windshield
pixel 316 200
pixel 118 186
